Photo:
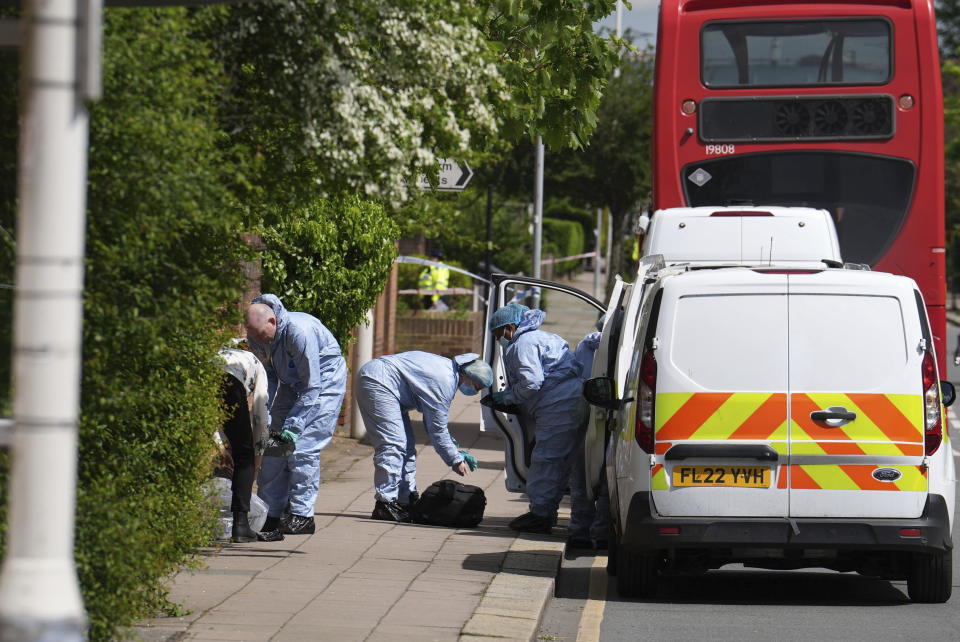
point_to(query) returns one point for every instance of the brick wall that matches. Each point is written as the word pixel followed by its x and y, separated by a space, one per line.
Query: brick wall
pixel 444 333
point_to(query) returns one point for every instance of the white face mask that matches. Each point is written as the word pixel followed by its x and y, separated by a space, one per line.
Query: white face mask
pixel 504 342
pixel 467 389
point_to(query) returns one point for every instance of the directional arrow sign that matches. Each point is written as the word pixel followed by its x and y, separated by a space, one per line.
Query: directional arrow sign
pixel 454 176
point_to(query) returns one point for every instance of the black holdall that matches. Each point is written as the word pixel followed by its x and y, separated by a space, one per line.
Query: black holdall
pixel 450 503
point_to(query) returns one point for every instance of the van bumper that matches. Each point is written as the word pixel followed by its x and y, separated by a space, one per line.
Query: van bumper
pixel 642 531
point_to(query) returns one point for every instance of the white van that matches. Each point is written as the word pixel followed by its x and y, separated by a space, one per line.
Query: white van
pixel 795 236
pixel 775 417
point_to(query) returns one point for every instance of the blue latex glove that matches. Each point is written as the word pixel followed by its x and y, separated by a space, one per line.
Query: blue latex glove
pixel 470 459
pixel 288 436
pixel 498 398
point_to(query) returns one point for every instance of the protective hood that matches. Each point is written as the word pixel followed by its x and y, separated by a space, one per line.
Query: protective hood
pixel 462 359
pixel 531 320
pixel 278 310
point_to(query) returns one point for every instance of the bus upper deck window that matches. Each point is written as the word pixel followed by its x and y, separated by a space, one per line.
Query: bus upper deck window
pixel 796 53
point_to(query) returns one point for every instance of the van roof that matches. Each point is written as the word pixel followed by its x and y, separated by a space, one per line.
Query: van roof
pixel 746 210
pixel 737 276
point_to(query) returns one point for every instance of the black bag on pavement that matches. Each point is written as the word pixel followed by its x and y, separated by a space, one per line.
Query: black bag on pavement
pixel 450 503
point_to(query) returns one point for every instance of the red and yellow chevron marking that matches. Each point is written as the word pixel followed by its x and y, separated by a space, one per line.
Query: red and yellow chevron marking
pixel 886 425
pixel 658 478
pixel 854 477
pixel 721 415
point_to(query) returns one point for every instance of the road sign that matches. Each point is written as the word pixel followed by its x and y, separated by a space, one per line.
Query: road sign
pixel 454 176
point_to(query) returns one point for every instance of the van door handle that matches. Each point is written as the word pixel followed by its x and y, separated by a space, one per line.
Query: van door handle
pixel 834 416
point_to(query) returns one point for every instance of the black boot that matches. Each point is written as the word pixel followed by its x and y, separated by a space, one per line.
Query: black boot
pixel 298 525
pixel 241 529
pixel 270 531
pixel 390 512
pixel 532 523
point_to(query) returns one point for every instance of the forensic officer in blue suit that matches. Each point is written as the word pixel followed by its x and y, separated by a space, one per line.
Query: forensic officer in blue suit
pixel 544 381
pixel 387 389
pixel 307 377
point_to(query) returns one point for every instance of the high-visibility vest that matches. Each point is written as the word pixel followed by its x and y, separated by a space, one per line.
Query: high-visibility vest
pixel 435 278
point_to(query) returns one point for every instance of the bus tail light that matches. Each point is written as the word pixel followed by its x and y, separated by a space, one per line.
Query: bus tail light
pixel 688 107
pixel 646 394
pixel 905 102
pixel 933 427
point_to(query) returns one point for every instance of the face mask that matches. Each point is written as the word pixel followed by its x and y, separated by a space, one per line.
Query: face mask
pixel 504 342
pixel 467 389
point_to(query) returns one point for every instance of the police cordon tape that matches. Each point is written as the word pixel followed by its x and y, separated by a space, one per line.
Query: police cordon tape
pixel 568 258
pixel 440 292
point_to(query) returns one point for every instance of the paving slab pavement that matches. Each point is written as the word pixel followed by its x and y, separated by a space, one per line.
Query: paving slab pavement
pixel 359 579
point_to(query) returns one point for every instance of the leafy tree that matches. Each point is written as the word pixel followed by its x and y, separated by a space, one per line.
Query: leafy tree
pixel 948 27
pixel 331 259
pixel 555 64
pixel 951 110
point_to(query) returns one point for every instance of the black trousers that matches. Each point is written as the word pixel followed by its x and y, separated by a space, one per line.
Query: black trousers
pixel 238 430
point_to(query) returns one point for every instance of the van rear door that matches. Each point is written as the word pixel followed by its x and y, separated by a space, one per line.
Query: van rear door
pixel 856 445
pixel 721 430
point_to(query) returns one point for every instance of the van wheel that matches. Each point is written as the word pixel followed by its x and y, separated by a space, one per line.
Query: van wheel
pixel 637 573
pixel 613 544
pixel 930 579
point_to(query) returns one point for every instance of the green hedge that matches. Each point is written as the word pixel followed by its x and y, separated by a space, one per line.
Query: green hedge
pixel 563 209
pixel 330 259
pixel 563 238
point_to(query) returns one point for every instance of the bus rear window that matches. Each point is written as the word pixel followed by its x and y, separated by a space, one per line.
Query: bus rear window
pixel 868 196
pixel 796 53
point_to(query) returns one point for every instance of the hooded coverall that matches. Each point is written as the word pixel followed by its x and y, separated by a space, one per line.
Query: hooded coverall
pixel 545 383
pixel 388 388
pixel 588 518
pixel 307 376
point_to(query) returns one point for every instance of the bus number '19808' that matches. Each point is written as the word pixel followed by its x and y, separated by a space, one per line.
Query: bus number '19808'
pixel 721 149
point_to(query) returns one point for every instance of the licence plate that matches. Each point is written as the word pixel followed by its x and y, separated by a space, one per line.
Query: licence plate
pixel 729 476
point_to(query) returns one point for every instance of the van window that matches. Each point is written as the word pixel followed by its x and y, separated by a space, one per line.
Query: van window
pixel 732 342
pixel 843 343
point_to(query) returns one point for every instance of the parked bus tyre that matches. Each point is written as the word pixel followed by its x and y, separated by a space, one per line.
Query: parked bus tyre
pixel 638 574
pixel 931 577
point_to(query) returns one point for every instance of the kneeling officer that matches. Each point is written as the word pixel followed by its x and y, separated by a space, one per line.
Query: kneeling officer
pixel 387 389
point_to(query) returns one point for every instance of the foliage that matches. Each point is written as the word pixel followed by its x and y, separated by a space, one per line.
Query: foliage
pixel 330 259
pixel 554 63
pixel 948 28
pixel 408 278
pixel 161 246
pixel 360 96
pixel 562 238
pixel 564 209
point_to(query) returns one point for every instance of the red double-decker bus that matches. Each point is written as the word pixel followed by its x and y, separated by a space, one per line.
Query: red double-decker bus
pixel 834 105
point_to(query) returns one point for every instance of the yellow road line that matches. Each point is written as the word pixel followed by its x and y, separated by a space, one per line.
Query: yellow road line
pixel 592 616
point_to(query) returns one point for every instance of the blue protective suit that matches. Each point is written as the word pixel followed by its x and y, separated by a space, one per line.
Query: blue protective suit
pixel 387 389
pixel 307 376
pixel 588 518
pixel 544 381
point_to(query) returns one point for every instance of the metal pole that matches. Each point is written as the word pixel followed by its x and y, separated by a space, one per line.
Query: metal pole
pixel 596 259
pixel 609 244
pixel 616 72
pixel 487 255
pixel 537 216
pixel 39 592
pixel 364 354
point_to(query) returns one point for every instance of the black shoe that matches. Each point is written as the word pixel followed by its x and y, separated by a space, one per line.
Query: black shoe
pixel 298 525
pixel 272 524
pixel 601 544
pixel 390 512
pixel 270 536
pixel 579 543
pixel 241 529
pixel 532 523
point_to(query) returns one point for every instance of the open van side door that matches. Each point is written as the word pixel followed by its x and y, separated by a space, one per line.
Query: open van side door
pixel 613 360
pixel 571 314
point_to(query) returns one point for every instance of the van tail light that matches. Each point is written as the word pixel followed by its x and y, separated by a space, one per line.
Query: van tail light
pixel 647 393
pixel 723 213
pixel 933 427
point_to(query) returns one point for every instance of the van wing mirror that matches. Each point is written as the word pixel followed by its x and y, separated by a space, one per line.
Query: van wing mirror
pixel 601 391
pixel 948 393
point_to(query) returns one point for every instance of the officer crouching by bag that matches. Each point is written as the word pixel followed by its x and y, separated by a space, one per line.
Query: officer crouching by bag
pixel 387 389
